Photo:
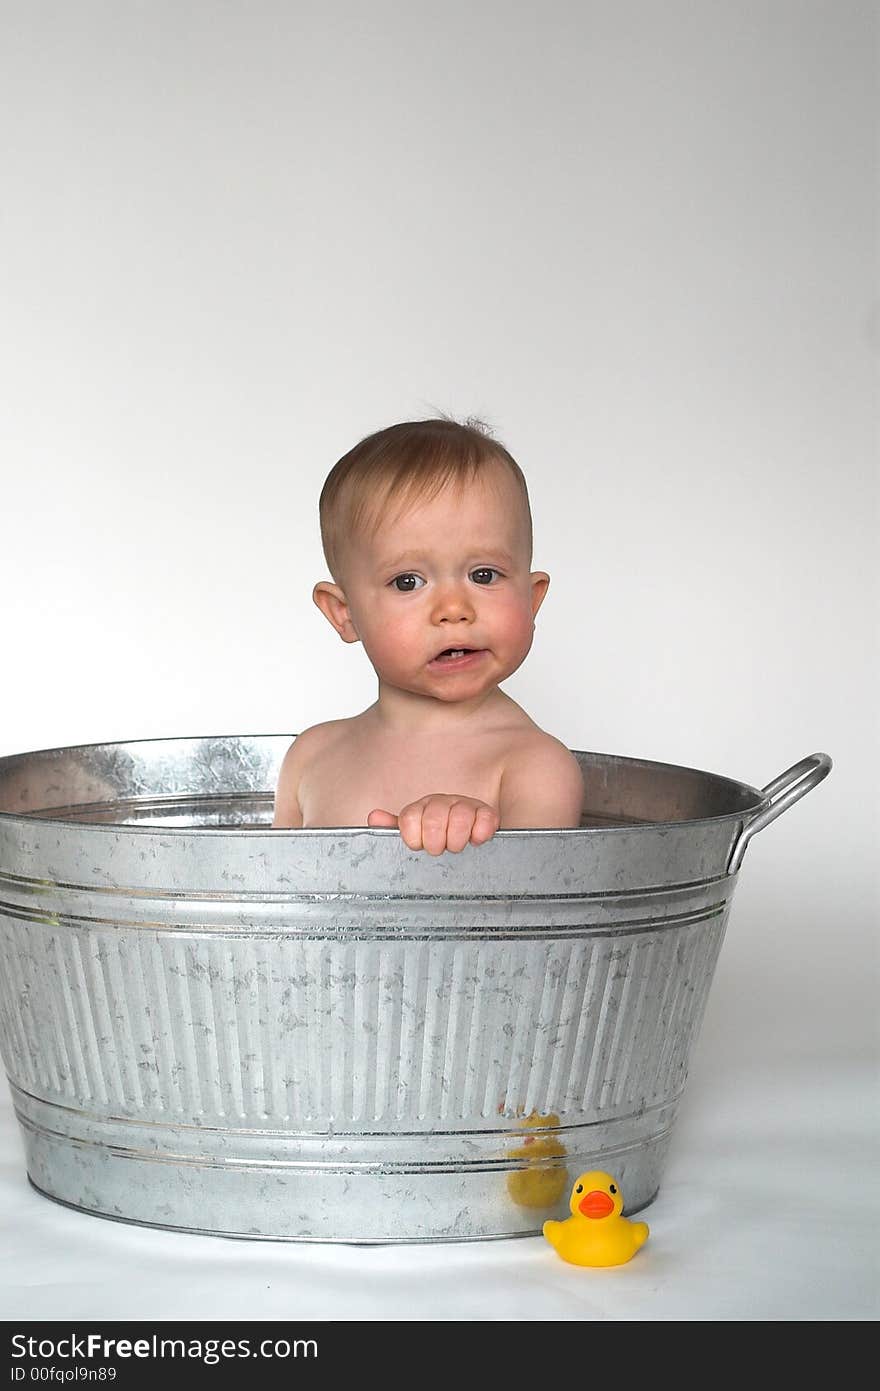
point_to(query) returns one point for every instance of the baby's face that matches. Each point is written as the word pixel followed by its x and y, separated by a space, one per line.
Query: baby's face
pixel 451 573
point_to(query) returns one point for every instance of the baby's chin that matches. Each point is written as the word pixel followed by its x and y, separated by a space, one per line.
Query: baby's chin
pixel 453 690
pixel 450 693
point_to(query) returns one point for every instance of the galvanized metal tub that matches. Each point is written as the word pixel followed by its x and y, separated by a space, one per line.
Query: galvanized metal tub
pixel 211 1025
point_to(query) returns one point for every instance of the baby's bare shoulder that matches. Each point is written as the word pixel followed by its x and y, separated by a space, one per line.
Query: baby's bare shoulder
pixel 541 782
pixel 319 736
pixel 317 739
pixel 310 744
pixel 537 746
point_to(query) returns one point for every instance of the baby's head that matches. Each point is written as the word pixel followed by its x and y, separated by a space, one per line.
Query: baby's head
pixel 427 532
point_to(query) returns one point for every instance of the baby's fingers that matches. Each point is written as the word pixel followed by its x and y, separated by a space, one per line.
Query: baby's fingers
pixel 434 823
pixel 379 817
pixel 486 823
pixel 410 822
pixel 462 817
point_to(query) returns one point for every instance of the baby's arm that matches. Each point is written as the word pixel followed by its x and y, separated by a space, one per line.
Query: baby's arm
pixel 287 808
pixel 541 787
pixel 304 749
pixel 288 811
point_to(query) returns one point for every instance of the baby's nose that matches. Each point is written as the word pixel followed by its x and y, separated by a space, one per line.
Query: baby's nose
pixel 453 604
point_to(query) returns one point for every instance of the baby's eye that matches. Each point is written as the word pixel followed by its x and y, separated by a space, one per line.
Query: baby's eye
pixel 405 584
pixel 484 574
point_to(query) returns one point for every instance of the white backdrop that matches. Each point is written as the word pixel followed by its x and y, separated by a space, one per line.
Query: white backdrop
pixel 639 240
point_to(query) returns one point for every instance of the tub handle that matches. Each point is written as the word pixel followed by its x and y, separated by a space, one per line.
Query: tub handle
pixel 793 784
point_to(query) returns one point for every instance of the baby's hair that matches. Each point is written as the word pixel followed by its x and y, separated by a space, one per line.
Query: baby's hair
pixel 403 464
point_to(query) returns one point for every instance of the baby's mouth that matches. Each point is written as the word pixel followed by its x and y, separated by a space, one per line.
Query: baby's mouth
pixel 451 655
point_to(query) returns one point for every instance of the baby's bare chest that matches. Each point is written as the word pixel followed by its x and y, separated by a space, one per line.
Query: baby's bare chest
pixel 342 785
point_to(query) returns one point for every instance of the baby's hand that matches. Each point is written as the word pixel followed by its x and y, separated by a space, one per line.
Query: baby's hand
pixel 441 822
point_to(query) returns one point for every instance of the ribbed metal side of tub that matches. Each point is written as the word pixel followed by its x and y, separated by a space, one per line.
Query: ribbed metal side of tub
pixel 324 1035
pixel 327 1078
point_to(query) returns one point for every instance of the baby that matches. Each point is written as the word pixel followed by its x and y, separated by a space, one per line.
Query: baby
pixel 427 532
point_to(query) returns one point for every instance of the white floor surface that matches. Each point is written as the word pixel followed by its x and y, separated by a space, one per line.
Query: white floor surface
pixel 768 1211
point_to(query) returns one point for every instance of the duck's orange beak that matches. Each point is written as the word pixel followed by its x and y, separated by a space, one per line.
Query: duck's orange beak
pixel 596 1204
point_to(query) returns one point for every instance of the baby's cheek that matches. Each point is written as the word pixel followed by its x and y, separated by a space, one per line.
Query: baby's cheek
pixel 384 655
pixel 517 626
pixel 390 642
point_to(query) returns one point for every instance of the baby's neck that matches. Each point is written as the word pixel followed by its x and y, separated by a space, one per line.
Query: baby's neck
pixel 398 712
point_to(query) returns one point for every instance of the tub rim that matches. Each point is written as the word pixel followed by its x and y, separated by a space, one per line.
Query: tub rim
pixel 744 814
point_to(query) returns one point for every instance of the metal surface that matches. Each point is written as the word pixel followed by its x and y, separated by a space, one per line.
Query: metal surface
pixel 794 783
pixel 212 1025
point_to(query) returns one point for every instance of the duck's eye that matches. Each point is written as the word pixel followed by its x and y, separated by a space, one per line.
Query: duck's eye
pixel 405 584
pixel 580 1188
pixel 611 1188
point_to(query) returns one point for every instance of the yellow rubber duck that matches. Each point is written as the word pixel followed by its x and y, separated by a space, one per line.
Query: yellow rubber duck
pixel 596 1233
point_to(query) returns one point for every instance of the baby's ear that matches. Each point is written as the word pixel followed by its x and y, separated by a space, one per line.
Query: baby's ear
pixel 540 582
pixel 333 604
